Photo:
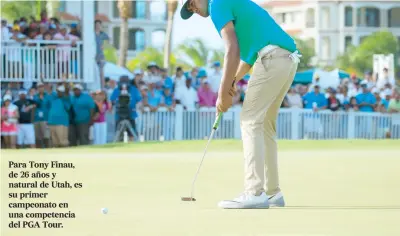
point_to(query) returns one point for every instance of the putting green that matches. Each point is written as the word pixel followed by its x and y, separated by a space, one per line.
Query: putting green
pixel 331 188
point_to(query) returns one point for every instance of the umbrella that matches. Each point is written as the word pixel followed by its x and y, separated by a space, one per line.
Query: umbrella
pixel 114 72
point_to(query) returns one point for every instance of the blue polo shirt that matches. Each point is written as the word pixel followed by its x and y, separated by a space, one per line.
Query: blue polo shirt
pixel 311 97
pixel 58 110
pixel 168 83
pixel 254 27
pixel 82 106
pixel 168 100
pixel 135 98
pixel 41 112
pixel 154 99
pixel 368 98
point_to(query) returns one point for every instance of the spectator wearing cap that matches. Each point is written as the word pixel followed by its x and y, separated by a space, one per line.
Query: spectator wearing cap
pixel 315 100
pixel 366 101
pixel 83 112
pixel 179 79
pixel 193 73
pixel 26 130
pixel 333 103
pixel 343 94
pixel 59 106
pixel 9 120
pixel 294 99
pixel 201 76
pixel 101 37
pixel 152 75
pixel 385 79
pixel 74 30
pixel 215 76
pixel 138 77
pixel 316 81
pixel 41 116
pixel 52 29
pixel 207 98
pixel 168 98
pixel 187 96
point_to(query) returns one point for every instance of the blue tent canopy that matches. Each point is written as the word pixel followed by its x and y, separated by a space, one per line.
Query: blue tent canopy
pixel 306 77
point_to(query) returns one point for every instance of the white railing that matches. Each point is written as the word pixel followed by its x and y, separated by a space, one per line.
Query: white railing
pixel 292 124
pixel 36 60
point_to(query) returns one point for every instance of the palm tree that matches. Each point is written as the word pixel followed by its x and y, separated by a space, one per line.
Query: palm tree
pixel 172 5
pixel 194 51
pixel 148 55
pixel 52 8
pixel 124 7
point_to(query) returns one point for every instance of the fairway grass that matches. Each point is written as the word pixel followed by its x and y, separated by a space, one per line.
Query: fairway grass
pixel 331 188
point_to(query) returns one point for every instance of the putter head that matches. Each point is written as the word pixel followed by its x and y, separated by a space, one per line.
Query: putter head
pixel 188 199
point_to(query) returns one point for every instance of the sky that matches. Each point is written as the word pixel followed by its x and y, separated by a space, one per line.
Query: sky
pixel 195 27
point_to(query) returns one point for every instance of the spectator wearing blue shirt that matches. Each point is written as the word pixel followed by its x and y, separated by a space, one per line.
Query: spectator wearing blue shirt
pixel 166 81
pixel 83 111
pixel 154 98
pixel 58 107
pixel 366 101
pixel 168 99
pixel 41 116
pixel 315 100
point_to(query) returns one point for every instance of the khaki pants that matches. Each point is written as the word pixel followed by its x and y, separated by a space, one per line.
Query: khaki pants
pixel 59 135
pixel 273 74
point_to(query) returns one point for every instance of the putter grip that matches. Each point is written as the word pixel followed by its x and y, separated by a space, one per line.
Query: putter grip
pixel 217 120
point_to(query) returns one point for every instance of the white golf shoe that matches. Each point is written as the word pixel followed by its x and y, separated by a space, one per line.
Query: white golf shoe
pixel 246 201
pixel 276 200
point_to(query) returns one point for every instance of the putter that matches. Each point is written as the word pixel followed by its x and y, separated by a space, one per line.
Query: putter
pixel 215 127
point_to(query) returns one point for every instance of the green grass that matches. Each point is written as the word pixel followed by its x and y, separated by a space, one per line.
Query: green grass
pixel 331 188
pixel 234 146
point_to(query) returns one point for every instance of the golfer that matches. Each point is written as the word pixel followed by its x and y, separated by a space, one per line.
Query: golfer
pixel 253 39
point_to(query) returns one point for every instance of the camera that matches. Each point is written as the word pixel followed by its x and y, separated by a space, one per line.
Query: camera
pixel 123 102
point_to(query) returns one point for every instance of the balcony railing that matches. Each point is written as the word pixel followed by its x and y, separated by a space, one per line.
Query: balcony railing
pixel 41 60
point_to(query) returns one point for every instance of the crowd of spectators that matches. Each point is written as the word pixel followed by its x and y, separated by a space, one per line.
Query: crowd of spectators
pixel 62 114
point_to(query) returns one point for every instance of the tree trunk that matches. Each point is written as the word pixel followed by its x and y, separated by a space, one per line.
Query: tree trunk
pixel 123 43
pixel 172 5
pixel 52 8
pixel 124 7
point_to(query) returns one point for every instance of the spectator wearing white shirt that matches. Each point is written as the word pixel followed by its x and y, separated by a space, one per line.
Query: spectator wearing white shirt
pixel 179 79
pixel 187 96
pixel 386 79
pixel 294 99
pixel 152 76
pixel 370 80
pixel 343 95
pixel 14 54
pixel 5 35
pixel 215 76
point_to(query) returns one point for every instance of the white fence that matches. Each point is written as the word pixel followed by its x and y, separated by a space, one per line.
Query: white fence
pixel 41 60
pixel 292 124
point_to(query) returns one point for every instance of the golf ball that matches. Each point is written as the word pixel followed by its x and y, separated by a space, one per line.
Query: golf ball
pixel 104 210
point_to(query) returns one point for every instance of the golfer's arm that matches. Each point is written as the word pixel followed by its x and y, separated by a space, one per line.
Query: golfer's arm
pixel 232 56
pixel 243 69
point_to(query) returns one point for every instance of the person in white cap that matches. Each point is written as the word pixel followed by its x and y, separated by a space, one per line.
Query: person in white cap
pixel 58 116
pixel 26 130
pixel 152 75
pixel 9 120
pixel 83 111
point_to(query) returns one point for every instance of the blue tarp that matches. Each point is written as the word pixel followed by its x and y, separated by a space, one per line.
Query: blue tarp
pixel 306 77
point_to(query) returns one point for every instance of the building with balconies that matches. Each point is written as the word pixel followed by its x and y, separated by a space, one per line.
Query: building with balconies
pixel 332 26
pixel 146 26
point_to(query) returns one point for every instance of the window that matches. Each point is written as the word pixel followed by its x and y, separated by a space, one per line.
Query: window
pixel 140 12
pixel 394 17
pixel 136 39
pixel 348 41
pixel 348 15
pixel 283 18
pixel 116 34
pixel 115 9
pixel 368 17
pixel 96 7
